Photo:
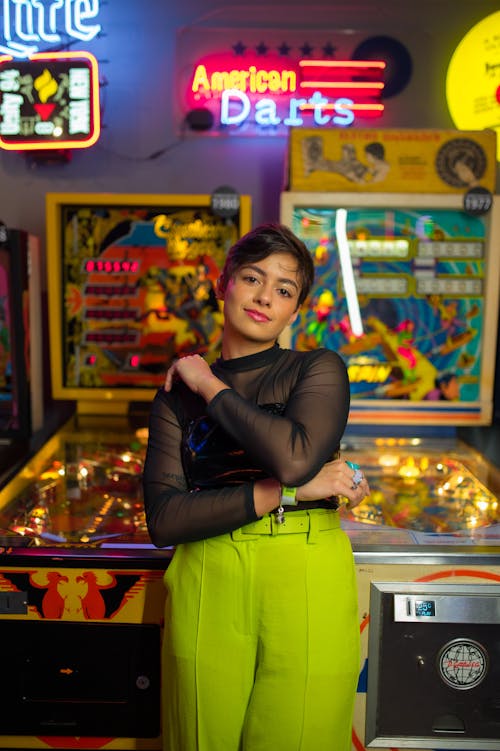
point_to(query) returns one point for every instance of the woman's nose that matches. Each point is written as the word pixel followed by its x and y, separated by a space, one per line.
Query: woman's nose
pixel 263 294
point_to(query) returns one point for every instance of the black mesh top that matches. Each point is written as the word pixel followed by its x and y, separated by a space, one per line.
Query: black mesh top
pixel 282 415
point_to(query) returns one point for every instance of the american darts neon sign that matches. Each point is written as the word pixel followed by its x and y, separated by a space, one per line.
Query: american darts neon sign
pixel 50 101
pixel 244 91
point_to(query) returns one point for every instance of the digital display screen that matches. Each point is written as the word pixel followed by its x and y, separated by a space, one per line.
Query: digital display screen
pixel 425 608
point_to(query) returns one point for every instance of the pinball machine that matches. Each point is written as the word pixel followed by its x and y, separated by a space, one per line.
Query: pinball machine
pixel 406 291
pixel 130 283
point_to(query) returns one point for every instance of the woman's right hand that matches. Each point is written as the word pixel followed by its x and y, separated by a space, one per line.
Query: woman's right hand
pixel 196 374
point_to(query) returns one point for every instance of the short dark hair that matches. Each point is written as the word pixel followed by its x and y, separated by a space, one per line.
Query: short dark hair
pixel 444 379
pixel 262 242
pixel 376 149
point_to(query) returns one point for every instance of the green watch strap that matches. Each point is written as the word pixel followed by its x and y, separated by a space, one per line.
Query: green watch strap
pixel 288 496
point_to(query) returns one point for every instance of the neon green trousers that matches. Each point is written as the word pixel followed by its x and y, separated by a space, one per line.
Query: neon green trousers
pixel 261 644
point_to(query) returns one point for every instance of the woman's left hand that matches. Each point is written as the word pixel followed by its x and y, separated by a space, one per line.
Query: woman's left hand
pixel 336 478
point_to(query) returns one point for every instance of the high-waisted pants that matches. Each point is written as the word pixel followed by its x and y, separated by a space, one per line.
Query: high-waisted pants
pixel 261 641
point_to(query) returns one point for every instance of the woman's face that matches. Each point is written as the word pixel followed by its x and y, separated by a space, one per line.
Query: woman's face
pixel 260 300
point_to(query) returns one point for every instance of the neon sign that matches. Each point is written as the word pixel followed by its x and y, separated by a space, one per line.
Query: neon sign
pixel 243 91
pixel 50 101
pixel 235 109
pixel 27 23
pixel 253 79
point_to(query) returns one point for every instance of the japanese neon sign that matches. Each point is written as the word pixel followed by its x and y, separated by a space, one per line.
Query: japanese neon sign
pixel 50 101
pixel 29 23
pixel 243 91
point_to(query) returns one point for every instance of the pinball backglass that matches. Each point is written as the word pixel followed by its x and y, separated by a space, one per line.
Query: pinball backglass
pixel 131 285
pixel 406 291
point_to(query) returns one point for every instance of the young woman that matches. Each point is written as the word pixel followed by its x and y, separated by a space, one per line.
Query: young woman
pixel 261 634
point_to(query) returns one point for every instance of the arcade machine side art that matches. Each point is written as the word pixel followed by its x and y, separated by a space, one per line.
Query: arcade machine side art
pixel 424 280
pixel 130 281
pixel 21 371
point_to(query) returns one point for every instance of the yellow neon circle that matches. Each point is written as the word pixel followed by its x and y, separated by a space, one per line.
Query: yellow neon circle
pixel 473 79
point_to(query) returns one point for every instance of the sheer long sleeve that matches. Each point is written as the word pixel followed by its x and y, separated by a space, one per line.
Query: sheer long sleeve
pixel 175 513
pixel 292 447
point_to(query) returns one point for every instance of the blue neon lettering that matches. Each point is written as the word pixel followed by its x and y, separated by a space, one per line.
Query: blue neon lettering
pixel 28 22
pixel 293 116
pixel 84 10
pixel 265 113
pixel 50 34
pixel 27 34
pixel 317 99
pixel 344 116
pixel 236 107
pixel 235 119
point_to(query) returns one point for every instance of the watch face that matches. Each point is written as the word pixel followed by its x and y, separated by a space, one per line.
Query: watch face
pixel 473 79
pixel 462 664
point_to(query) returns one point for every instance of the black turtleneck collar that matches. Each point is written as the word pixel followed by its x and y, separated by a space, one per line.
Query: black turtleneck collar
pixel 250 362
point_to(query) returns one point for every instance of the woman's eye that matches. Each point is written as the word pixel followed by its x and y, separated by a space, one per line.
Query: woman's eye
pixel 284 292
pixel 250 279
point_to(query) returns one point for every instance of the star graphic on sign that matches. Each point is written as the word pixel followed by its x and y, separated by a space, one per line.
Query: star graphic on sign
pixel 329 49
pixel 306 49
pixel 284 49
pixel 239 48
pixel 261 48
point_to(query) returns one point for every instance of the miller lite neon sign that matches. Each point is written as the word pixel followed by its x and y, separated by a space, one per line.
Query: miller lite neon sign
pixel 270 93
